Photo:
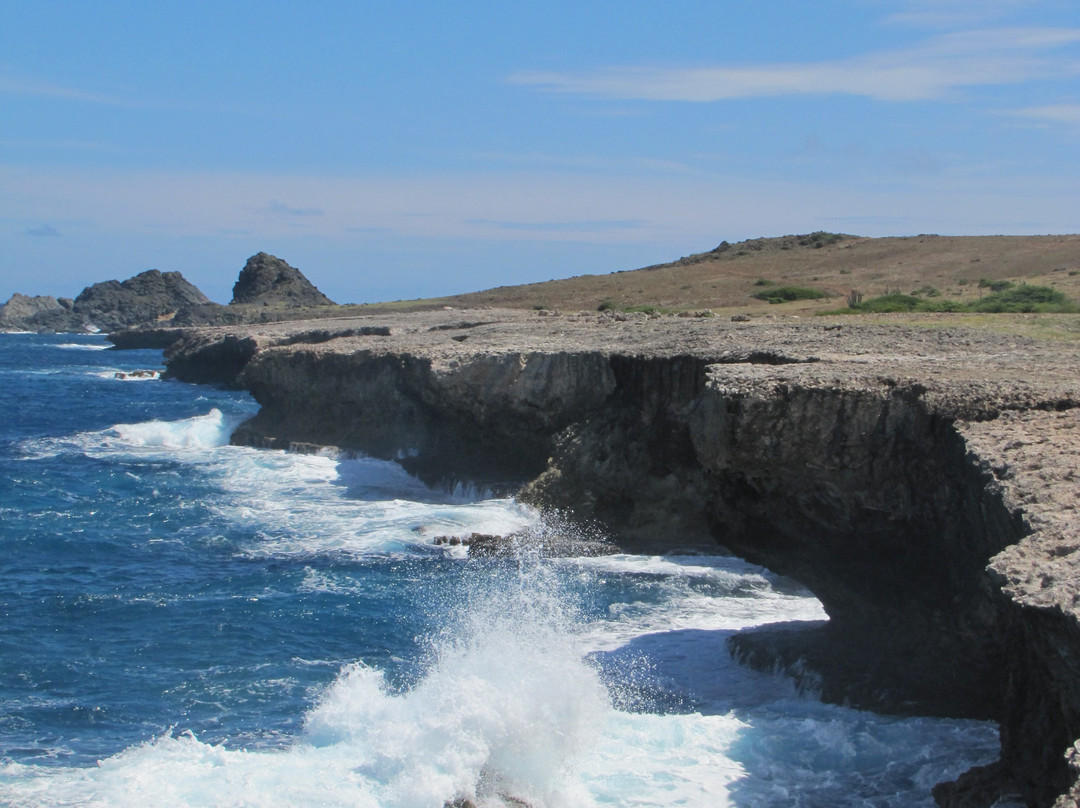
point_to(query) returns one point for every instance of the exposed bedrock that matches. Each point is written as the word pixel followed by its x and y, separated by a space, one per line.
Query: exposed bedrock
pixel 862 494
pixel 489 418
pixel 921 484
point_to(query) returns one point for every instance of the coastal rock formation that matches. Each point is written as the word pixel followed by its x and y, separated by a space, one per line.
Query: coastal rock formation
pixel 267 280
pixel 921 482
pixel 145 298
pixel 267 290
pixel 40 313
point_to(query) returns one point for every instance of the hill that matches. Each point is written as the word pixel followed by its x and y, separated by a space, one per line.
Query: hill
pixel 724 279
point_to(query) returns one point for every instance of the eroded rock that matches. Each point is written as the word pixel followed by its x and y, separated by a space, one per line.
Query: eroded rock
pixel 887 468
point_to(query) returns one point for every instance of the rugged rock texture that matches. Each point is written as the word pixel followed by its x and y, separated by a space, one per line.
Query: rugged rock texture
pixel 145 298
pixel 267 280
pixel 921 482
pixel 267 290
pixel 40 313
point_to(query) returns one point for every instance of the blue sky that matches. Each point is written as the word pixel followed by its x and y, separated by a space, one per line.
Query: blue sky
pixel 410 149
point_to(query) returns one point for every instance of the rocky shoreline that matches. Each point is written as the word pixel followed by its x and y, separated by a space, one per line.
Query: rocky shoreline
pixel 922 482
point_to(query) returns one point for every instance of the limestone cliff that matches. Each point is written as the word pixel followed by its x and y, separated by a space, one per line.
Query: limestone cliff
pixel 920 482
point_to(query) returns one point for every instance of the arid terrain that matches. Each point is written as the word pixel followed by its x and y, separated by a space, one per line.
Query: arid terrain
pixel 723 279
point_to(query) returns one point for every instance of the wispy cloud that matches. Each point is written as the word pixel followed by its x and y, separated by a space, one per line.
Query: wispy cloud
pixel 46 230
pixel 11 85
pixel 1067 114
pixel 952 13
pixel 279 208
pixel 579 226
pixel 931 70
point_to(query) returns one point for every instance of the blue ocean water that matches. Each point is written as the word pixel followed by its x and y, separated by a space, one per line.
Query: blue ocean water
pixel 188 623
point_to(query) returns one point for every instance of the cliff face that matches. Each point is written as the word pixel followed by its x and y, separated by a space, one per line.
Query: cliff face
pixel 905 476
pixel 490 417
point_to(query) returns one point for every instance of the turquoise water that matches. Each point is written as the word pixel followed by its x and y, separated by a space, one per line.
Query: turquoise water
pixel 186 622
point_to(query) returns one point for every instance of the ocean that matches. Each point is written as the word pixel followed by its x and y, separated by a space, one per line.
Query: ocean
pixel 189 623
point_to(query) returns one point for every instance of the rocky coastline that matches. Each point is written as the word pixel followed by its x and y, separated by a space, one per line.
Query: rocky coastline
pixel 267 290
pixel 922 482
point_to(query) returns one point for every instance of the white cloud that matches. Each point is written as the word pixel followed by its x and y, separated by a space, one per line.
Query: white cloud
pixel 950 13
pixel 933 70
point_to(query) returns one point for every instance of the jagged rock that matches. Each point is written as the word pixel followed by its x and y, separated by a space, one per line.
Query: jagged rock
pixel 147 298
pixel 40 313
pixel 267 280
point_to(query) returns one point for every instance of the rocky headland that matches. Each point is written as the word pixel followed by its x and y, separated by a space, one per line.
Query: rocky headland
pixel 147 298
pixel 268 289
pixel 922 482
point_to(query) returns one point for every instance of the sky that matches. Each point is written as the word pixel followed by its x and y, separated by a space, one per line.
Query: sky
pixel 414 149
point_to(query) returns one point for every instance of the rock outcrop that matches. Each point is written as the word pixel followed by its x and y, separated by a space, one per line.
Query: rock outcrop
pixel 147 298
pixel 922 482
pixel 267 290
pixel 267 280
pixel 40 313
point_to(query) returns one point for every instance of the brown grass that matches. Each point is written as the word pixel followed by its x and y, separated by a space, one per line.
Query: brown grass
pixel 722 280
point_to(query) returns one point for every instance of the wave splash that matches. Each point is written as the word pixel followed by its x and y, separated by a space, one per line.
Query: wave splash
pixel 508 707
pixel 507 711
pixel 200 432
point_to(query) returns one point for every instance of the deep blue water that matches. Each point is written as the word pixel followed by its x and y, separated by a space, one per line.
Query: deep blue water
pixel 183 622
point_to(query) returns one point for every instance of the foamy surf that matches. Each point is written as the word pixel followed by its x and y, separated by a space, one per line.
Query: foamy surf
pixel 507 707
pixel 292 619
pixel 199 432
pixel 115 374
pixel 510 708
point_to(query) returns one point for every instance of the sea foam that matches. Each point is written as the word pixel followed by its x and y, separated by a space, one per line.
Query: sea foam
pixel 201 432
pixel 507 708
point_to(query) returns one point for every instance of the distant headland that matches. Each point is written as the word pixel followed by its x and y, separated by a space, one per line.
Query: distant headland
pixel 795 275
pixel 268 289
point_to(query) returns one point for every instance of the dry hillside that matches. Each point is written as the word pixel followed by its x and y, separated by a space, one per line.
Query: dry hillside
pixel 723 279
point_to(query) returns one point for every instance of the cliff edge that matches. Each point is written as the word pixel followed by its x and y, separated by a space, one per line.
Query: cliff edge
pixel 921 481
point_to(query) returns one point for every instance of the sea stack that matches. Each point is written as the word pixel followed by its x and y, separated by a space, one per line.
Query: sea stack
pixel 269 281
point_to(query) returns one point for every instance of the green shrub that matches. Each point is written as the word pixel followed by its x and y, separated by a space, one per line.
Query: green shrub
pixel 1041 299
pixel 785 294
pixel 889 303
pixel 995 286
pixel 820 239
pixel 1024 299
